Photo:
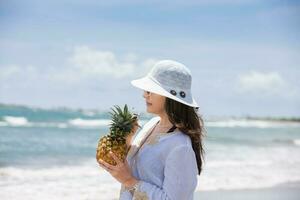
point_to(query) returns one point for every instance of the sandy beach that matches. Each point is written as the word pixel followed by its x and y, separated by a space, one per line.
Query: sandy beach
pixel 290 191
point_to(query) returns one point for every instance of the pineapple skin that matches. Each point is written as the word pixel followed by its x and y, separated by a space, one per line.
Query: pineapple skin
pixel 124 125
pixel 118 145
pixel 106 144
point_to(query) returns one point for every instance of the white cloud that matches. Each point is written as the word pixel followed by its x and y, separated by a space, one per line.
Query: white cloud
pixel 130 57
pixel 261 81
pixel 270 83
pixel 14 74
pixel 86 63
pixel 145 66
pixel 89 62
pixel 7 71
pixel 83 65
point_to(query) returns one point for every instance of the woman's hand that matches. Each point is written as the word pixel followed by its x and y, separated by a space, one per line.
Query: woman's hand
pixel 121 171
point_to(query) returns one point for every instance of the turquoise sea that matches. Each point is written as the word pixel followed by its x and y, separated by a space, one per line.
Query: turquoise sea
pixel 50 154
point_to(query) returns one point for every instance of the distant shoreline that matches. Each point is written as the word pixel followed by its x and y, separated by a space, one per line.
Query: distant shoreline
pixel 254 118
pixel 13 107
pixel 282 119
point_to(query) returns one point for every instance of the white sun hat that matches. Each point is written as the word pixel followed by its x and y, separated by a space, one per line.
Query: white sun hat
pixel 171 79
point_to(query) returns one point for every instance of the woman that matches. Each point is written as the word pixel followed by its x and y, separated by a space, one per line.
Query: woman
pixel 167 154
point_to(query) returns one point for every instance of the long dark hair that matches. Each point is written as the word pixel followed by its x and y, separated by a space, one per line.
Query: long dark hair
pixel 189 122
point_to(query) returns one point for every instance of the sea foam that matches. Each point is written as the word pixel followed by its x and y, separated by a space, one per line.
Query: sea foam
pixel 15 121
pixel 250 123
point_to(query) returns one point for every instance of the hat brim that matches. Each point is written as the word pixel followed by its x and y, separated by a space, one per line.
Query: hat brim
pixel 148 84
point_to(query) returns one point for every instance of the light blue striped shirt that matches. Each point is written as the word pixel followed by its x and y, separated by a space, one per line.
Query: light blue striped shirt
pixel 165 165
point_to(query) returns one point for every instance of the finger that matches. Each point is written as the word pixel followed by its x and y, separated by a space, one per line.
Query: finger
pixel 125 161
pixel 116 158
pixel 139 126
pixel 103 167
pixel 108 166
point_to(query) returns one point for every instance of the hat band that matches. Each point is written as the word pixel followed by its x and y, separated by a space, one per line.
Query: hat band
pixel 178 93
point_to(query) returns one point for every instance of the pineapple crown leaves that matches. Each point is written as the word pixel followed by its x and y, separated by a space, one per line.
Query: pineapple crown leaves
pixel 122 121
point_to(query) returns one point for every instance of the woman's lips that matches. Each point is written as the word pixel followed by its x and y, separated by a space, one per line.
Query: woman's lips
pixel 148 104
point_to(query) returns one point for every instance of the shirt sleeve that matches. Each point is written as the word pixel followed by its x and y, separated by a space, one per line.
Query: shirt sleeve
pixel 125 194
pixel 180 178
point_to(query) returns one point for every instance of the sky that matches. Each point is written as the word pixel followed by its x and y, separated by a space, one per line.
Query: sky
pixel 243 54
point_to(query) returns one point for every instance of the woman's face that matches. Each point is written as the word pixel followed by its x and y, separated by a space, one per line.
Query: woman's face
pixel 155 103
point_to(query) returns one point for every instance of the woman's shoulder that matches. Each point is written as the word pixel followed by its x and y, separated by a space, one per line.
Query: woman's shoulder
pixel 177 138
pixel 176 145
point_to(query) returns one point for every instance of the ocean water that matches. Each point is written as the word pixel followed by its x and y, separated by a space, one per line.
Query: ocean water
pixel 50 154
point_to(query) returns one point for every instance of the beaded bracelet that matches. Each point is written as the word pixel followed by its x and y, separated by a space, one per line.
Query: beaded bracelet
pixel 134 187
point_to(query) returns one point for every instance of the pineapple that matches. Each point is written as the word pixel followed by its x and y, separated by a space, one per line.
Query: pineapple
pixel 124 124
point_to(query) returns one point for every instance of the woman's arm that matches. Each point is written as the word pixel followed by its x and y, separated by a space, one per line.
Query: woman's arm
pixel 180 178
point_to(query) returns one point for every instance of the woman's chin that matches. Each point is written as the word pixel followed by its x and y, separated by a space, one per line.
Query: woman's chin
pixel 149 109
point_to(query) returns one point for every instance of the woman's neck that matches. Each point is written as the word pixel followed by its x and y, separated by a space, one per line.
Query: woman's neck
pixel 164 121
